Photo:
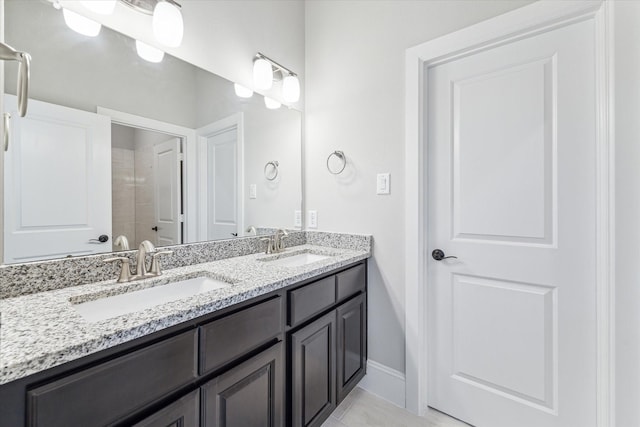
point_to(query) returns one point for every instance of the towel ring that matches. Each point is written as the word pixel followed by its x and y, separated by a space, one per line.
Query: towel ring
pixel 343 159
pixel 274 170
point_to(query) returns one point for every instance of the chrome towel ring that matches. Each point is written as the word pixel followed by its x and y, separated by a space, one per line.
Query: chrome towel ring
pixel 343 159
pixel 271 173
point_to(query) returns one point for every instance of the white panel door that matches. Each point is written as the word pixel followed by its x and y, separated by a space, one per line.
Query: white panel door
pixel 511 193
pixel 222 185
pixel 57 183
pixel 168 199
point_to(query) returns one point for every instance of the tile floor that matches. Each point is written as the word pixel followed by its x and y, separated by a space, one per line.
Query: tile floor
pixel 363 409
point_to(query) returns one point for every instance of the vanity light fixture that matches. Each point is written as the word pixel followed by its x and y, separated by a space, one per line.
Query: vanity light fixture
pixel 102 7
pixel 81 24
pixel 291 88
pixel 149 53
pixel 168 26
pixel 242 91
pixel 167 22
pixel 271 104
pixel 264 71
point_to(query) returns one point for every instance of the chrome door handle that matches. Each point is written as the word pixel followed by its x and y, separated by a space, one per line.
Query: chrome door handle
pixel 438 255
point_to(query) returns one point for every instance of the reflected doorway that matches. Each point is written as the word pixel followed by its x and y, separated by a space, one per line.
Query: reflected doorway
pixel 147 176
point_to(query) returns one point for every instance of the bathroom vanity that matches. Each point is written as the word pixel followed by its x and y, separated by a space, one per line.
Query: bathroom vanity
pixel 281 345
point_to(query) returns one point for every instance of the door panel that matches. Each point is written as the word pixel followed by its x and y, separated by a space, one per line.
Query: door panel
pixel 511 157
pixel 57 182
pixel 168 199
pixel 222 185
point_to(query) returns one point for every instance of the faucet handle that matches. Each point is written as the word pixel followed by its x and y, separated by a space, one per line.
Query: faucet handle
pixel 155 262
pixel 125 270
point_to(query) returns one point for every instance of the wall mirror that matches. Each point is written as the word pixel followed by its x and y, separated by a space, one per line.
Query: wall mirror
pixel 115 149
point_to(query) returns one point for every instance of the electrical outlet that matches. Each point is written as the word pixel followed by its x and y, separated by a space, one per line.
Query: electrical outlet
pixel 253 191
pixel 312 217
pixel 297 218
pixel 383 183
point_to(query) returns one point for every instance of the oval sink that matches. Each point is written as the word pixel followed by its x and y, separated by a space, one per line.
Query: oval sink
pixel 130 302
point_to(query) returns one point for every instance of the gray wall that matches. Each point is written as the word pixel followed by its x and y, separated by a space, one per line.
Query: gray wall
pixel 355 103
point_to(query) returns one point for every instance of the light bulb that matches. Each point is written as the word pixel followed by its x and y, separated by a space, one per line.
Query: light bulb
pixel 168 26
pixel 80 24
pixel 262 74
pixel 103 7
pixel 271 104
pixel 149 53
pixel 242 91
pixel 291 88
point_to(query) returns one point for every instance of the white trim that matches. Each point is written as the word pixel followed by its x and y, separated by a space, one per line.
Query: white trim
pixel 522 22
pixel 188 136
pixel 384 382
pixel 235 121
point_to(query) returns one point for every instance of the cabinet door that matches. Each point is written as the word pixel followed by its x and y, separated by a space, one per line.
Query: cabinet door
pixel 184 412
pixel 313 372
pixel 249 395
pixel 352 344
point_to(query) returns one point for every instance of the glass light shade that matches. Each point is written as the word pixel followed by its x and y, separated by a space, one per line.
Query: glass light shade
pixel 291 89
pixel 262 74
pixel 80 24
pixel 242 91
pixel 149 53
pixel 103 7
pixel 271 104
pixel 168 26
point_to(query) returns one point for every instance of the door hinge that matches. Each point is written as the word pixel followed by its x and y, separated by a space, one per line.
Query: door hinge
pixel 181 157
pixel 181 218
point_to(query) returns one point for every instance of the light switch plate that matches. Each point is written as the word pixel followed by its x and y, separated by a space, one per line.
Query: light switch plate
pixel 297 218
pixel 253 191
pixel 383 183
pixel 312 219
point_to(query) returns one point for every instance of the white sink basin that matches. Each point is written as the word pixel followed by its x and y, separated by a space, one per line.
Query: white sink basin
pixel 117 305
pixel 297 260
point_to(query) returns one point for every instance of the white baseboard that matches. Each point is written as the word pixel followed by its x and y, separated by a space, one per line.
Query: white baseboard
pixel 384 382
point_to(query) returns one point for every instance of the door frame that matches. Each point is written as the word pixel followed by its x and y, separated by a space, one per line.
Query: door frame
pixel 234 121
pixel 189 178
pixel 532 19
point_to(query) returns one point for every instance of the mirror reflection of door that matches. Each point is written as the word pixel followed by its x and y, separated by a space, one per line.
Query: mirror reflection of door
pixel 146 187
pixel 222 186
pixel 56 178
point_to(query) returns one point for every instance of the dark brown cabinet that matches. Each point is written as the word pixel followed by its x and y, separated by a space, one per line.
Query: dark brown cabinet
pixel 251 394
pixel 286 358
pixel 313 372
pixel 184 412
pixel 352 344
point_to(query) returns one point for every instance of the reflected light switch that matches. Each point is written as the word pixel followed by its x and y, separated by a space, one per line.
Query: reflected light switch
pixel 253 191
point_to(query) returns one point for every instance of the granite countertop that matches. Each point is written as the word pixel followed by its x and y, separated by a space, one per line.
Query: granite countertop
pixel 43 330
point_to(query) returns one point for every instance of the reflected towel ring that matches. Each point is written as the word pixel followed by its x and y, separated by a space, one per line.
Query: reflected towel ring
pixel 274 170
pixel 343 159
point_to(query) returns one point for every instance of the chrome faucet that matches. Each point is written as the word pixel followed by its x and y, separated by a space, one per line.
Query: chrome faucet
pixel 142 272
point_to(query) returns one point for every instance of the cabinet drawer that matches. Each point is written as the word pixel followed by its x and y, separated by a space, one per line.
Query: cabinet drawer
pixel 351 281
pixel 311 299
pixel 222 340
pixel 105 393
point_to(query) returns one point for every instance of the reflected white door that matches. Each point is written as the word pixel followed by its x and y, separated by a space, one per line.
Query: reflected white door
pixel 168 199
pixel 57 194
pixel 222 184
pixel 511 193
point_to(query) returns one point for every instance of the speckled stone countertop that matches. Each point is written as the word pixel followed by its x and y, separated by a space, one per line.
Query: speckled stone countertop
pixel 43 330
